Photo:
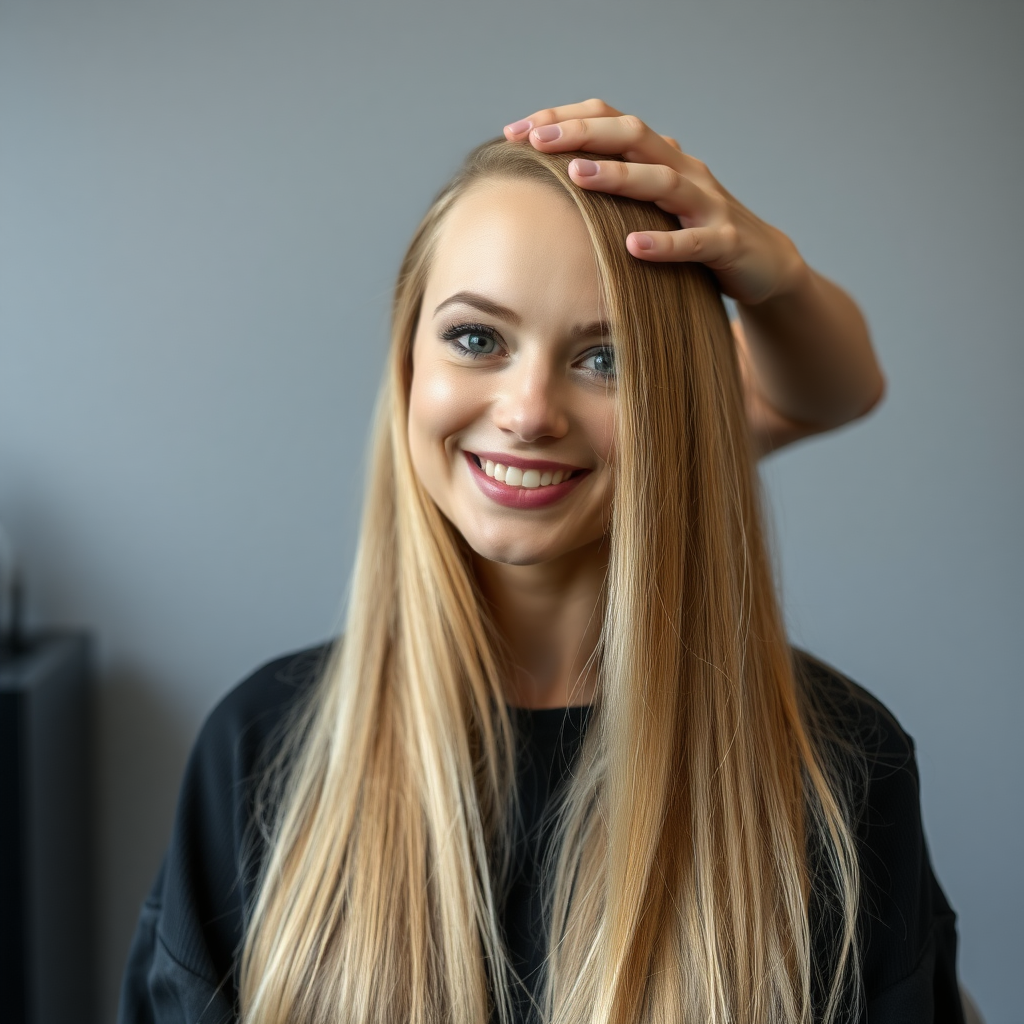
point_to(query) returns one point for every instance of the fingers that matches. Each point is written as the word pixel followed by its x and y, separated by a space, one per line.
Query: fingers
pixel 626 135
pixel 552 115
pixel 596 127
pixel 672 190
pixel 654 169
pixel 593 126
pixel 691 245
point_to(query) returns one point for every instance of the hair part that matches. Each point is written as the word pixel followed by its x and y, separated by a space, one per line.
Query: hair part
pixel 679 885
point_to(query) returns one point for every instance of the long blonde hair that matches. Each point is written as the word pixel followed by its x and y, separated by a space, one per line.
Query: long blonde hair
pixel 680 886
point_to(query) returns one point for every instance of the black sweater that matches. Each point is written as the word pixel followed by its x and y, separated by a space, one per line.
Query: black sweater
pixel 182 966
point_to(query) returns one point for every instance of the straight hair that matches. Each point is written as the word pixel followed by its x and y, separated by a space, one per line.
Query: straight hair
pixel 679 886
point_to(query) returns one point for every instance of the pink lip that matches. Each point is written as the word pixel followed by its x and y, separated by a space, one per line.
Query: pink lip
pixel 522 497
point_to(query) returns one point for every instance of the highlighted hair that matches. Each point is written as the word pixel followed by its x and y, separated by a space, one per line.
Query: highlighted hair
pixel 679 888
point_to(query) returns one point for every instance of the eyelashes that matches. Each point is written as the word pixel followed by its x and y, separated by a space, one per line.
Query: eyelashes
pixel 454 335
pixel 605 355
pixel 476 341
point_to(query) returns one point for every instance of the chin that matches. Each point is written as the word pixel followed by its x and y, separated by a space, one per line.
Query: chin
pixel 523 545
pixel 511 551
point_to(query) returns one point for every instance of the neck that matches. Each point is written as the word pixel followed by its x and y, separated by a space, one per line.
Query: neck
pixel 550 617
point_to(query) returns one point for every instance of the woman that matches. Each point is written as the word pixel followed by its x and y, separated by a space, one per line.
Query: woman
pixel 564 765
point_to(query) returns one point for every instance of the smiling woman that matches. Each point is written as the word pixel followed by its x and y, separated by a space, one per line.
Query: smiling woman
pixel 514 368
pixel 564 765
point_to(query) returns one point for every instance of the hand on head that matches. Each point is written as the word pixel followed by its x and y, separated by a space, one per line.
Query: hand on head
pixel 752 260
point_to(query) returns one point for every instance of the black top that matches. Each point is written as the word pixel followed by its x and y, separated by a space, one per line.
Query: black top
pixel 182 969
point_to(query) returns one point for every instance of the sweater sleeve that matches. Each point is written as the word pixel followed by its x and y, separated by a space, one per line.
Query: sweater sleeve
pixel 157 987
pixel 181 968
pixel 907 930
pixel 907 923
pixel 916 922
pixel 930 993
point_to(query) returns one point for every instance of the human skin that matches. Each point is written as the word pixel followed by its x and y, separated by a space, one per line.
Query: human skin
pixel 805 358
pixel 540 391
pixel 804 348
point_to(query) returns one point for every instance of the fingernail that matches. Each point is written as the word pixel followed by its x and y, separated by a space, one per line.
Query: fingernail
pixel 585 168
pixel 518 127
pixel 643 241
pixel 548 133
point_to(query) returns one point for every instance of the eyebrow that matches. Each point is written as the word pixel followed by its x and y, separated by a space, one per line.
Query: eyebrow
pixel 595 329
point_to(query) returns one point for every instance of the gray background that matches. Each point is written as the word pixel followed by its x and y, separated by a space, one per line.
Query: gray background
pixel 203 206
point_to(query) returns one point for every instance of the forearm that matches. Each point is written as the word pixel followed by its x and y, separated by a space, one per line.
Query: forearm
pixel 808 364
pixel 809 353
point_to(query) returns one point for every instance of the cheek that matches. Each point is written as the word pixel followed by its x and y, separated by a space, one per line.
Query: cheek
pixel 433 405
pixel 440 406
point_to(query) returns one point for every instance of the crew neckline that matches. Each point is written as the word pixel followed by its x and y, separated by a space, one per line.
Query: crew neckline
pixel 545 725
pixel 559 709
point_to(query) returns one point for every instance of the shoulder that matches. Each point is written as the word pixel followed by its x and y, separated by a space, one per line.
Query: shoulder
pixel 250 718
pixel 193 922
pixel 848 716
pixel 238 740
pixel 258 703
pixel 214 830
pixel 868 754
pixel 907 929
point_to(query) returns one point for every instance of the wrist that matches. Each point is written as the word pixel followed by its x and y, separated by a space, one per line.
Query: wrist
pixel 794 278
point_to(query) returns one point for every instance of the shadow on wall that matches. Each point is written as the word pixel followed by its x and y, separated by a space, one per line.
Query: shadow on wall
pixel 142 745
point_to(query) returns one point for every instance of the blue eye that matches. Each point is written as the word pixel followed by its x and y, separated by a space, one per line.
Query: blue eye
pixel 600 362
pixel 481 344
pixel 471 340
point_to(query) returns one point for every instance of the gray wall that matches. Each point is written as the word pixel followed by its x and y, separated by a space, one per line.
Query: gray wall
pixel 203 206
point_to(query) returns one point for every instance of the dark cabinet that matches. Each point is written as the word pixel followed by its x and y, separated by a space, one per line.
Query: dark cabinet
pixel 47 938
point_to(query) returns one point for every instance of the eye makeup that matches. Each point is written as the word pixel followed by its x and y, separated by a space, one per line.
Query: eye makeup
pixel 453 335
pixel 602 355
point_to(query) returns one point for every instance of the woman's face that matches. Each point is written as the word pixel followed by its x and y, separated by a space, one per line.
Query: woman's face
pixel 512 403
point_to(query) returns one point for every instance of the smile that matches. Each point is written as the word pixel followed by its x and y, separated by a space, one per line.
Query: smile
pixel 522 483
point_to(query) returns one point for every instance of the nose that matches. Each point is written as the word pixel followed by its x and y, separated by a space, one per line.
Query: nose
pixel 530 403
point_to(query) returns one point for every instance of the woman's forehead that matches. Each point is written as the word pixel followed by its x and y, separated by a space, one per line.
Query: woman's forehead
pixel 519 242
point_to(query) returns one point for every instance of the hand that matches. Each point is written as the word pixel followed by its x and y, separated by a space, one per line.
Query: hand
pixel 752 260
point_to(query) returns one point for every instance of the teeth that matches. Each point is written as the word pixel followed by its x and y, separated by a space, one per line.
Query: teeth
pixel 515 477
